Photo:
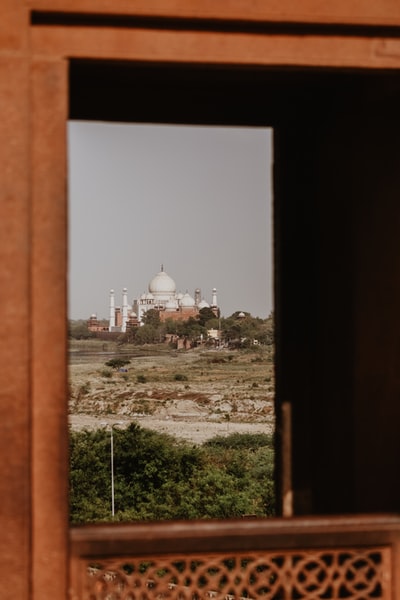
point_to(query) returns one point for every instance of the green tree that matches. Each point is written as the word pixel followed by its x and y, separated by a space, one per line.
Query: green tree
pixel 157 477
pixel 129 336
pixel 148 334
pixel 153 330
pixel 205 315
pixel 151 317
pixel 89 480
pixel 242 330
pixel 78 330
pixel 117 363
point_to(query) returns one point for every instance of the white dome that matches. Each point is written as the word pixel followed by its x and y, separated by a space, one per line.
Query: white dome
pixel 203 304
pixel 162 284
pixel 171 305
pixel 179 296
pixel 187 301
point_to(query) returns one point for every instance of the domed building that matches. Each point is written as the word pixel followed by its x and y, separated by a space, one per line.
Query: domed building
pixel 161 296
pixel 162 286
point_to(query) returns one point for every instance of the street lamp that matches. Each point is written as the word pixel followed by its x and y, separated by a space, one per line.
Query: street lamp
pixel 111 426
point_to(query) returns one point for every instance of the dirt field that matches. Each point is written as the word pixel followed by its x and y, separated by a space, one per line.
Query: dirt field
pixel 194 395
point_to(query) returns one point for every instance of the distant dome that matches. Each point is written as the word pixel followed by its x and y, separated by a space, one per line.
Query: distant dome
pixel 93 316
pixel 203 304
pixel 171 305
pixel 179 296
pixel 187 301
pixel 162 284
pixel 133 315
pixel 241 315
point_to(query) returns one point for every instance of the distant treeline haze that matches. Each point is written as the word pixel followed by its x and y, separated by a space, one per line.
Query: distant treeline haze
pixel 237 331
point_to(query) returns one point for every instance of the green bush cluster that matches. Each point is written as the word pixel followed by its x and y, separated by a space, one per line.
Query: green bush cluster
pixel 157 477
pixel 117 363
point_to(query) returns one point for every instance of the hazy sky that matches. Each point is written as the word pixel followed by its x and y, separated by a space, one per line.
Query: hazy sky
pixel 195 199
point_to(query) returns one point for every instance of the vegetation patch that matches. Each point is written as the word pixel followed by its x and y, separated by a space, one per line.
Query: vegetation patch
pixel 180 377
pixel 156 477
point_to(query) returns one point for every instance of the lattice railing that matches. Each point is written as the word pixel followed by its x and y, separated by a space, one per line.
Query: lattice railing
pixel 355 575
pixel 175 570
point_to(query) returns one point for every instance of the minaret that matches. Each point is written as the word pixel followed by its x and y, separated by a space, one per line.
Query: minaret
pixel 124 309
pixel 197 296
pixel 112 311
pixel 214 303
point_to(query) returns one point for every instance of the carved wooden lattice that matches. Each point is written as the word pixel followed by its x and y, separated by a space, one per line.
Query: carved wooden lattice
pixel 355 574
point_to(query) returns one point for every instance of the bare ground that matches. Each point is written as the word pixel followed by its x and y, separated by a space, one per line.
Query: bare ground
pixel 193 395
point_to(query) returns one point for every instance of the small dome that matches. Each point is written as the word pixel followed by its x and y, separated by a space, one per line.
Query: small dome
pixel 133 315
pixel 93 316
pixel 187 301
pixel 241 315
pixel 171 305
pixel 179 296
pixel 203 304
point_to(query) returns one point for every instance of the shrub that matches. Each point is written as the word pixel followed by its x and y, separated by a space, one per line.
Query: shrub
pixel 250 441
pixel 180 377
pixel 117 363
pixel 141 378
pixel 157 477
pixel 84 389
pixel 107 373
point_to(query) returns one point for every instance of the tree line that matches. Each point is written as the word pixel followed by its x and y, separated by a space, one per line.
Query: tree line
pixel 157 477
pixel 240 330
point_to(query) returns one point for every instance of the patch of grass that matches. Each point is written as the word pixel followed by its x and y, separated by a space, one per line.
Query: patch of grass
pixel 107 373
pixel 84 389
